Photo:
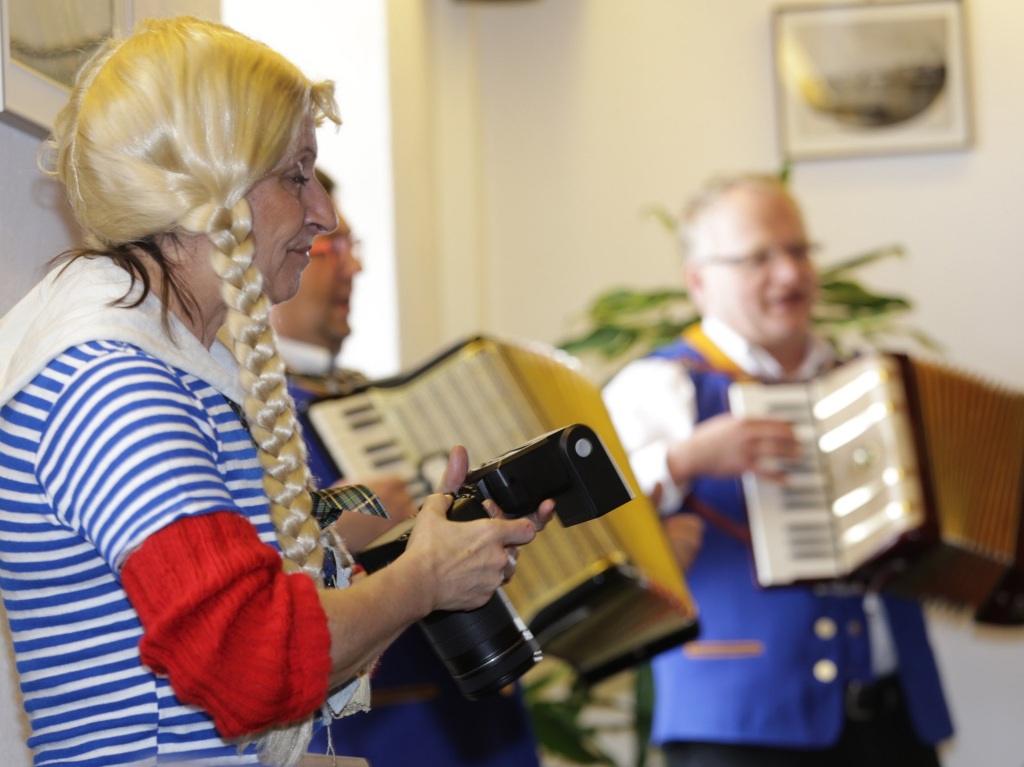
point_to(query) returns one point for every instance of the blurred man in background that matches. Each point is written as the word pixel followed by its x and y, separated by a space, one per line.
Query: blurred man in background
pixel 779 677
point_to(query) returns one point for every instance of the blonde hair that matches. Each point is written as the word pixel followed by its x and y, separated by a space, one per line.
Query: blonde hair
pixel 166 131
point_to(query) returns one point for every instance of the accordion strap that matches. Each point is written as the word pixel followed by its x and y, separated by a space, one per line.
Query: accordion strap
pixel 717 519
pixel 714 359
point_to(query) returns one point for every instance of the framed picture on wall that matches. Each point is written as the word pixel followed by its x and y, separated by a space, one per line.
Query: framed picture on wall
pixel 44 44
pixel 870 79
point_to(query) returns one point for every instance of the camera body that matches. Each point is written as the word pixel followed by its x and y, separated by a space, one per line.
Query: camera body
pixel 486 648
pixel 569 465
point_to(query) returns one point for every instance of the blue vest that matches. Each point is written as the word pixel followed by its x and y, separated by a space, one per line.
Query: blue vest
pixel 750 678
pixel 418 715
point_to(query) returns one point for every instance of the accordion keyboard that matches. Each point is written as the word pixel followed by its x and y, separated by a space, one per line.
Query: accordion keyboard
pixel 791 521
pixel 357 427
pixel 857 488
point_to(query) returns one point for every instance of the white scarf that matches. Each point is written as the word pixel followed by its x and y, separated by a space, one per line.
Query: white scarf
pixel 74 305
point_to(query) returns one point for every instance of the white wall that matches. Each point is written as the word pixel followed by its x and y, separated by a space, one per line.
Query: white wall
pixel 32 228
pixel 346 41
pixel 554 122
pixel 579 113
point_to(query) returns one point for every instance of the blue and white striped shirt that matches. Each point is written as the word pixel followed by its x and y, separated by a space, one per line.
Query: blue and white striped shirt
pixel 104 447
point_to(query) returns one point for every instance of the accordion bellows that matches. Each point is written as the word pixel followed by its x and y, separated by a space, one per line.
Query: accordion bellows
pixel 911 482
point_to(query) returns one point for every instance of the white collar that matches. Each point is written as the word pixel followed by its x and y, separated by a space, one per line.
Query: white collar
pixel 73 305
pixel 305 358
pixel 758 363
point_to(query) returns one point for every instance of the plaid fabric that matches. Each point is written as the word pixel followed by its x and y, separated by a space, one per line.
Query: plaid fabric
pixel 328 505
pixel 330 502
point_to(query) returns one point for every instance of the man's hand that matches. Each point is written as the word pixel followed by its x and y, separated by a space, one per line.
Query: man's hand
pixel 726 446
pixel 393 493
pixel 685 533
pixel 358 530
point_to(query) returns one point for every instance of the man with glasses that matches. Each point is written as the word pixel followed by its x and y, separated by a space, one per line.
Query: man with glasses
pixel 784 676
pixel 418 715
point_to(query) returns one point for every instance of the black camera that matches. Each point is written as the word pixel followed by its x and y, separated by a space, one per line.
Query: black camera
pixel 486 648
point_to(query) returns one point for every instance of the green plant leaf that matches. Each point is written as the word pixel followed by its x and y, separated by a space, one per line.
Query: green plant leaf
pixel 622 301
pixel 852 297
pixel 836 270
pixel 643 714
pixel 596 340
pixel 559 732
pixel 535 687
pixel 663 216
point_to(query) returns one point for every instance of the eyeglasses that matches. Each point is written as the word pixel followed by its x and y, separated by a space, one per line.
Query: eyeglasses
pixel 337 245
pixel 799 252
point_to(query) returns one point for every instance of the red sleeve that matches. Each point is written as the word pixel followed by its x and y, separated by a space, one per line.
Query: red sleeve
pixel 232 632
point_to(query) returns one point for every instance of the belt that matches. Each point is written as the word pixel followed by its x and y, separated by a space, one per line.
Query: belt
pixel 867 700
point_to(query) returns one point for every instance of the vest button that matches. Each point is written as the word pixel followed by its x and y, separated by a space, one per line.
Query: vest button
pixel 854 628
pixel 825 628
pixel 825 670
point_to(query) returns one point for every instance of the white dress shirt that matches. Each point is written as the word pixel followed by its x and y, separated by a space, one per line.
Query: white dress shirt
pixel 305 358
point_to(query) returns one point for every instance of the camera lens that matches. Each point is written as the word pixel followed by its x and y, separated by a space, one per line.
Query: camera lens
pixel 483 649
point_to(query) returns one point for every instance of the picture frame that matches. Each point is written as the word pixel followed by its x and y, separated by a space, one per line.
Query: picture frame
pixel 870 79
pixel 43 44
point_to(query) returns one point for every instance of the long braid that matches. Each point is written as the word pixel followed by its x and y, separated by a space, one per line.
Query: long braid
pixel 268 406
pixel 271 414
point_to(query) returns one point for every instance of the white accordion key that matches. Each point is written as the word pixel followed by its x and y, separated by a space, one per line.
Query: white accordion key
pixel 360 441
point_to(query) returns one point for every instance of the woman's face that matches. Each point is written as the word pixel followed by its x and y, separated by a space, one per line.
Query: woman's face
pixel 289 209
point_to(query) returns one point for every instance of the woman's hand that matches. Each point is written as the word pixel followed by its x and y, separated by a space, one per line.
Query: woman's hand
pixel 458 459
pixel 446 565
pixel 469 560
pixel 539 518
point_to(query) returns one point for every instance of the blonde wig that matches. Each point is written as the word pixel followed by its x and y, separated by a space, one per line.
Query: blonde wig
pixel 164 132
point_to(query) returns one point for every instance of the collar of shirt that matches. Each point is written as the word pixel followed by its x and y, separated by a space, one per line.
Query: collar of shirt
pixel 305 358
pixel 757 362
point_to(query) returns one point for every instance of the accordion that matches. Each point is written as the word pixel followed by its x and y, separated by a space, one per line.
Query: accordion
pixel 910 481
pixel 604 595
